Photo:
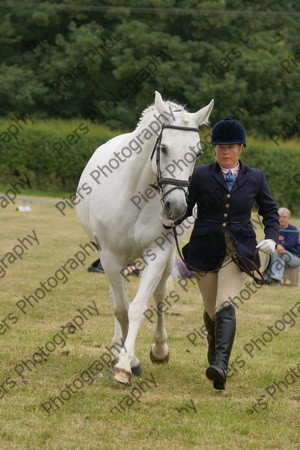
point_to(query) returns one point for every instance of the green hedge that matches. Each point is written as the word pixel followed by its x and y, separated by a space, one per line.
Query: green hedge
pixel 54 153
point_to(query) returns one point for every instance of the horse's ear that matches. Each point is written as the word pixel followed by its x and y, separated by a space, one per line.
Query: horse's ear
pixel 203 114
pixel 159 103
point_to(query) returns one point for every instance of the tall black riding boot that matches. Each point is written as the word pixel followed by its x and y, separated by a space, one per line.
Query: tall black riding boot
pixel 225 332
pixel 210 328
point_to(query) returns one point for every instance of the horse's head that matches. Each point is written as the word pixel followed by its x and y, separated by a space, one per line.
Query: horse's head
pixel 175 153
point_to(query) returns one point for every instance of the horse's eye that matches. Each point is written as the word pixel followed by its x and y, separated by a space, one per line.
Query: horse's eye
pixel 163 149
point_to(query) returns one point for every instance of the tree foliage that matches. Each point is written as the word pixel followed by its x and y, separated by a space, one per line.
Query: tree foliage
pixel 106 65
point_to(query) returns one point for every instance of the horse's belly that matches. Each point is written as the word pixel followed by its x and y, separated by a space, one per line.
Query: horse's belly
pixel 124 241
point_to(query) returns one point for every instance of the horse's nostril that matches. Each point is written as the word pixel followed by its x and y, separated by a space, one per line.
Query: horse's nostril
pixel 167 205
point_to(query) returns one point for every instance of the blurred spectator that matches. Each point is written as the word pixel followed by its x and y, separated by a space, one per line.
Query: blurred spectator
pixel 180 270
pixel 130 269
pixel 96 267
pixel 287 253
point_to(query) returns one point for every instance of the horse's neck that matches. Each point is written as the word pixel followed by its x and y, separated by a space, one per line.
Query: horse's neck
pixel 140 164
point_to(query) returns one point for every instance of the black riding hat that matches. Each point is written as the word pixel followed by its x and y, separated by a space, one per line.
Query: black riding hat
pixel 228 131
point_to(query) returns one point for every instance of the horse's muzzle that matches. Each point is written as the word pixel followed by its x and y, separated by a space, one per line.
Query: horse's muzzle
pixel 174 210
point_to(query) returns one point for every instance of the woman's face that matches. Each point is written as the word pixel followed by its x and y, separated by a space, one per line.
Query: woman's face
pixel 283 220
pixel 228 155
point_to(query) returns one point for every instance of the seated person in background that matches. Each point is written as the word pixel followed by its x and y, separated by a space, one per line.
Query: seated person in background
pixel 130 269
pixel 96 267
pixel 180 270
pixel 287 252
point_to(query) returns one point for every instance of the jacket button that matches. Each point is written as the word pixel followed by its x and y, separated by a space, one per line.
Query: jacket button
pixel 228 195
pixel 225 215
pixel 224 224
pixel 227 205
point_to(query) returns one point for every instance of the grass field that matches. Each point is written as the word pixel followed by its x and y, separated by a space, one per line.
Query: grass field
pixel 176 407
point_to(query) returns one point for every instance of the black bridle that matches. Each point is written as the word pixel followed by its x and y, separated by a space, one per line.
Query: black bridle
pixel 160 180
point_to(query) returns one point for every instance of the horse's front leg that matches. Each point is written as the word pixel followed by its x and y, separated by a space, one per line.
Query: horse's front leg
pixel 150 279
pixel 113 269
pixel 159 353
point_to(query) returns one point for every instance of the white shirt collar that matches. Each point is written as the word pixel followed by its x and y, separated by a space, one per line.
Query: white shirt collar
pixel 234 170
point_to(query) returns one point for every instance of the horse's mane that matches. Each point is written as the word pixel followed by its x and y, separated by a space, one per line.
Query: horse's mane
pixel 175 107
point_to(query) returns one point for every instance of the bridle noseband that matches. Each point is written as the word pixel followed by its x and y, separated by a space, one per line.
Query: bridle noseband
pixel 160 180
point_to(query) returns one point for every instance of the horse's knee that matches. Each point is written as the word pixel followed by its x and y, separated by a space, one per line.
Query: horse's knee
pixel 136 312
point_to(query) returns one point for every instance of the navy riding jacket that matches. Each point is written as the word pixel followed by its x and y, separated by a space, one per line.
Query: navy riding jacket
pixel 220 211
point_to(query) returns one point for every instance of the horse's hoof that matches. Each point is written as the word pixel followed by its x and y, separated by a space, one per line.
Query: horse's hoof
pixel 114 362
pixel 120 376
pixel 137 371
pixel 154 360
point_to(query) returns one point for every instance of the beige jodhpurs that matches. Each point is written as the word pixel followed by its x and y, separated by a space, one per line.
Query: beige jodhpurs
pixel 219 288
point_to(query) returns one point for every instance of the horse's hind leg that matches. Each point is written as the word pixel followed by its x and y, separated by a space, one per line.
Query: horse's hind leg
pixel 118 340
pixel 159 353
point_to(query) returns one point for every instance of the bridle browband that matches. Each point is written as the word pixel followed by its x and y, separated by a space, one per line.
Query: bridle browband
pixel 160 180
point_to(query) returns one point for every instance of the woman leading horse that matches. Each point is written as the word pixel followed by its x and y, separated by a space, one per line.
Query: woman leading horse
pixel 225 192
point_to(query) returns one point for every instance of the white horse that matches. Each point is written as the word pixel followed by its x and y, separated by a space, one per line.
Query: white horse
pixel 122 211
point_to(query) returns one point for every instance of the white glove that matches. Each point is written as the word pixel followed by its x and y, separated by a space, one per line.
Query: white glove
pixel 166 222
pixel 267 246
